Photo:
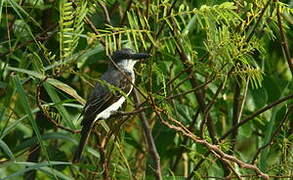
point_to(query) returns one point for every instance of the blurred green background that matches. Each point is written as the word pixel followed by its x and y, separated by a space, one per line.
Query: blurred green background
pixel 213 65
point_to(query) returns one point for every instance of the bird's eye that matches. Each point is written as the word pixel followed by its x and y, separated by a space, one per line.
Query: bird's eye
pixel 128 56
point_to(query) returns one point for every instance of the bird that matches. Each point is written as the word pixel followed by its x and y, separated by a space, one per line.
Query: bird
pixel 103 102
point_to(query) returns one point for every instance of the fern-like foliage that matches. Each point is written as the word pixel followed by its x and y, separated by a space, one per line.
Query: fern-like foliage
pixel 224 42
pixel 71 24
pixel 136 35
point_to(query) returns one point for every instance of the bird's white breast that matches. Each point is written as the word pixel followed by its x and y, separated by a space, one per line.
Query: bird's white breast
pixel 115 106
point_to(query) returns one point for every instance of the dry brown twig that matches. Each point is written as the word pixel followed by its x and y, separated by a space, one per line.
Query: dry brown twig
pixel 275 133
pixel 215 150
pixel 258 112
pixel 56 124
pixel 284 43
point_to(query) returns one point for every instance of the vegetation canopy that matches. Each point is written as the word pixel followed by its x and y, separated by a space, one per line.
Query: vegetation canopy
pixel 213 102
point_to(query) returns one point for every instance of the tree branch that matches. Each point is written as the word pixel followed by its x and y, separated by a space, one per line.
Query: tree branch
pixel 215 150
pixel 256 114
pixel 150 140
pixel 284 43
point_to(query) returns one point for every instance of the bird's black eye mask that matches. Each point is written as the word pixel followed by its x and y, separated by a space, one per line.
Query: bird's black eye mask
pixel 118 55
pixel 128 54
pixel 140 56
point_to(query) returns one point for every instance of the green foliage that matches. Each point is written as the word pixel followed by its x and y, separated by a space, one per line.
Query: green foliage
pixel 214 64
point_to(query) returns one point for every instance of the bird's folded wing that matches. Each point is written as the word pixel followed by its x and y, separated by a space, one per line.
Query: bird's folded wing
pixel 102 98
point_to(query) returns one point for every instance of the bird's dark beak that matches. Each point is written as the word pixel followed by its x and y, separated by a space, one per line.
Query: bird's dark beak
pixel 139 56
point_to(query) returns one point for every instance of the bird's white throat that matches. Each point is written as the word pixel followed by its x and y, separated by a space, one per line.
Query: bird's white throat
pixel 127 64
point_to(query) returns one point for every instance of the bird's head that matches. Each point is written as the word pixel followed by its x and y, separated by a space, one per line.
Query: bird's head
pixel 127 57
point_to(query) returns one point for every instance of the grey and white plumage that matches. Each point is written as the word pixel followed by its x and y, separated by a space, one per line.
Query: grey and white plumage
pixel 103 102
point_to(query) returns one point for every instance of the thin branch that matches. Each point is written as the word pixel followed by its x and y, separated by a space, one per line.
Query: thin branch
pixel 258 21
pixel 276 132
pixel 91 26
pixel 284 43
pixel 238 106
pixel 191 90
pixel 196 167
pixel 134 112
pixel 39 37
pixel 181 82
pixel 184 142
pixel 150 140
pixel 103 160
pixel 179 74
pixel 105 11
pixel 275 103
pixel 48 117
pixel 209 106
pixel 114 130
pixel 163 24
pixel 193 80
pixel 128 79
pixel 125 13
pixel 94 29
pixel 228 164
pixel 213 148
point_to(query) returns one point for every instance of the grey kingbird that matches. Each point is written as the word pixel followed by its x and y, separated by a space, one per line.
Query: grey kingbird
pixel 103 102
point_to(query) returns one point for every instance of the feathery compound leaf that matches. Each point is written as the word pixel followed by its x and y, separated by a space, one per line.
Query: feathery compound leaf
pixel 71 25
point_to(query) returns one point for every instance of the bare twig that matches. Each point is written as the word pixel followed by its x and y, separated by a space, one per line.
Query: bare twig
pixel 284 43
pixel 209 106
pixel 94 29
pixel 40 37
pixel 134 112
pixel 196 167
pixel 238 106
pixel 258 21
pixel 213 148
pixel 114 130
pixel 105 11
pixel 91 26
pixel 193 80
pixel 103 160
pixel 275 103
pixel 150 140
pixel 163 24
pixel 46 113
pixel 179 74
pixel 184 142
pixel 191 90
pixel 276 132
pixel 128 79
pixel 125 13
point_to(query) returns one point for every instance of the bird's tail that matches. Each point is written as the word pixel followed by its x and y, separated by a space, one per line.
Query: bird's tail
pixel 85 133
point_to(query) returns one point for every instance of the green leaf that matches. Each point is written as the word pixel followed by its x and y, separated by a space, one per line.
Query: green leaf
pixel 48 136
pixel 1 7
pixel 61 109
pixel 10 91
pixel 40 166
pixel 58 84
pixel 27 109
pixel 14 124
pixel 6 150
pixel 28 72
pixel 277 114
pixel 65 88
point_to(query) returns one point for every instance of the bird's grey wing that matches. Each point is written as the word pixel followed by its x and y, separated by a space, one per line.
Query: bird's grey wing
pixel 102 97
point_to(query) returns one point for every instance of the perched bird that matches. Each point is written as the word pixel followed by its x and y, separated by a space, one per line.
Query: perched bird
pixel 103 102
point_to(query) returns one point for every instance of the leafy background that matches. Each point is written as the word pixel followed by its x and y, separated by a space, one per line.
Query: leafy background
pixel 220 73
